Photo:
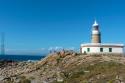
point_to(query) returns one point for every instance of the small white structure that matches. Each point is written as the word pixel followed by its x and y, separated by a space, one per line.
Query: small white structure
pixel 97 47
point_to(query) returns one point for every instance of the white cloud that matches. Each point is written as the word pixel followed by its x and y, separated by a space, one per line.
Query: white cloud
pixel 57 48
pixel 71 48
pixel 36 51
pixel 25 51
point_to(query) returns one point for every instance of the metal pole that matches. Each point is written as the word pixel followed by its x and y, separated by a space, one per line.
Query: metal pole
pixel 2 44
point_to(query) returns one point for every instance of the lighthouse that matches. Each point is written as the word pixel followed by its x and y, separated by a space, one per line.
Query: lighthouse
pixel 96 45
pixel 96 35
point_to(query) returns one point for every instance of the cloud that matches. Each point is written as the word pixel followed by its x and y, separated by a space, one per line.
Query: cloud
pixel 58 48
pixel 71 48
pixel 26 51
pixel 39 51
pixel 55 48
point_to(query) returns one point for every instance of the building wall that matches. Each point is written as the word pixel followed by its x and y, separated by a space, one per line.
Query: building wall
pixel 105 49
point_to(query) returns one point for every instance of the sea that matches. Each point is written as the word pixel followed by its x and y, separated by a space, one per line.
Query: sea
pixel 21 57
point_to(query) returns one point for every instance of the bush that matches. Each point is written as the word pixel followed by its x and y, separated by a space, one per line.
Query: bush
pixel 24 80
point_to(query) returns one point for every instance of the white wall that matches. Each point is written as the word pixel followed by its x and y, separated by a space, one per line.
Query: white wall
pixel 105 49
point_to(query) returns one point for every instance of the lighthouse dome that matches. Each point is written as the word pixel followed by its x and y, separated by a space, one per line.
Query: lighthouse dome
pixel 95 24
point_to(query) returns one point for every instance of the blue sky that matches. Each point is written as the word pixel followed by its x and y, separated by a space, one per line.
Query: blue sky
pixel 33 26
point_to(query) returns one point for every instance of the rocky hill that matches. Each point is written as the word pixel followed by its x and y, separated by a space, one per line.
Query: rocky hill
pixel 67 67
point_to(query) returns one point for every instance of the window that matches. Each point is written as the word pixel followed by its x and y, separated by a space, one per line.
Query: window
pixel 110 49
pixel 101 49
pixel 88 49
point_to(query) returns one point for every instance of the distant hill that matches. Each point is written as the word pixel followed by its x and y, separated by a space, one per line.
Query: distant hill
pixel 67 67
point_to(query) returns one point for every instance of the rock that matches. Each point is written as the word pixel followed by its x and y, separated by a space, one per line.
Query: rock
pixel 2 78
pixel 49 69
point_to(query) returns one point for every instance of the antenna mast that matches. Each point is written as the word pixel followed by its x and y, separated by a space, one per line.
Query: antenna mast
pixel 2 44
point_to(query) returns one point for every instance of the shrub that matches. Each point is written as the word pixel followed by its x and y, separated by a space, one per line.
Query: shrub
pixel 23 79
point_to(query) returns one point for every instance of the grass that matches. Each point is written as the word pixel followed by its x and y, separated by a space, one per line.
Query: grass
pixel 103 72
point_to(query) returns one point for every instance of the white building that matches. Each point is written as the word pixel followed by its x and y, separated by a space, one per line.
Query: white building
pixel 97 47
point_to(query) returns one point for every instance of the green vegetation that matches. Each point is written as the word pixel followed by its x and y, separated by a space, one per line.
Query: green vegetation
pixel 23 79
pixel 59 59
pixel 103 72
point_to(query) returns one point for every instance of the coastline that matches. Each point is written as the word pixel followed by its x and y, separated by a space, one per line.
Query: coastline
pixel 21 57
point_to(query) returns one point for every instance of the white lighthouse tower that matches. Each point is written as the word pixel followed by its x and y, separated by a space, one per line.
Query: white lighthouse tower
pixel 96 46
pixel 96 35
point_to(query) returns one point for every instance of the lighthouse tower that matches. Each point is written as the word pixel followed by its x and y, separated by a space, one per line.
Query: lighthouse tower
pixel 96 46
pixel 96 35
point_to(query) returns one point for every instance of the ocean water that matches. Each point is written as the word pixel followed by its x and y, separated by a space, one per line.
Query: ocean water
pixel 21 57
